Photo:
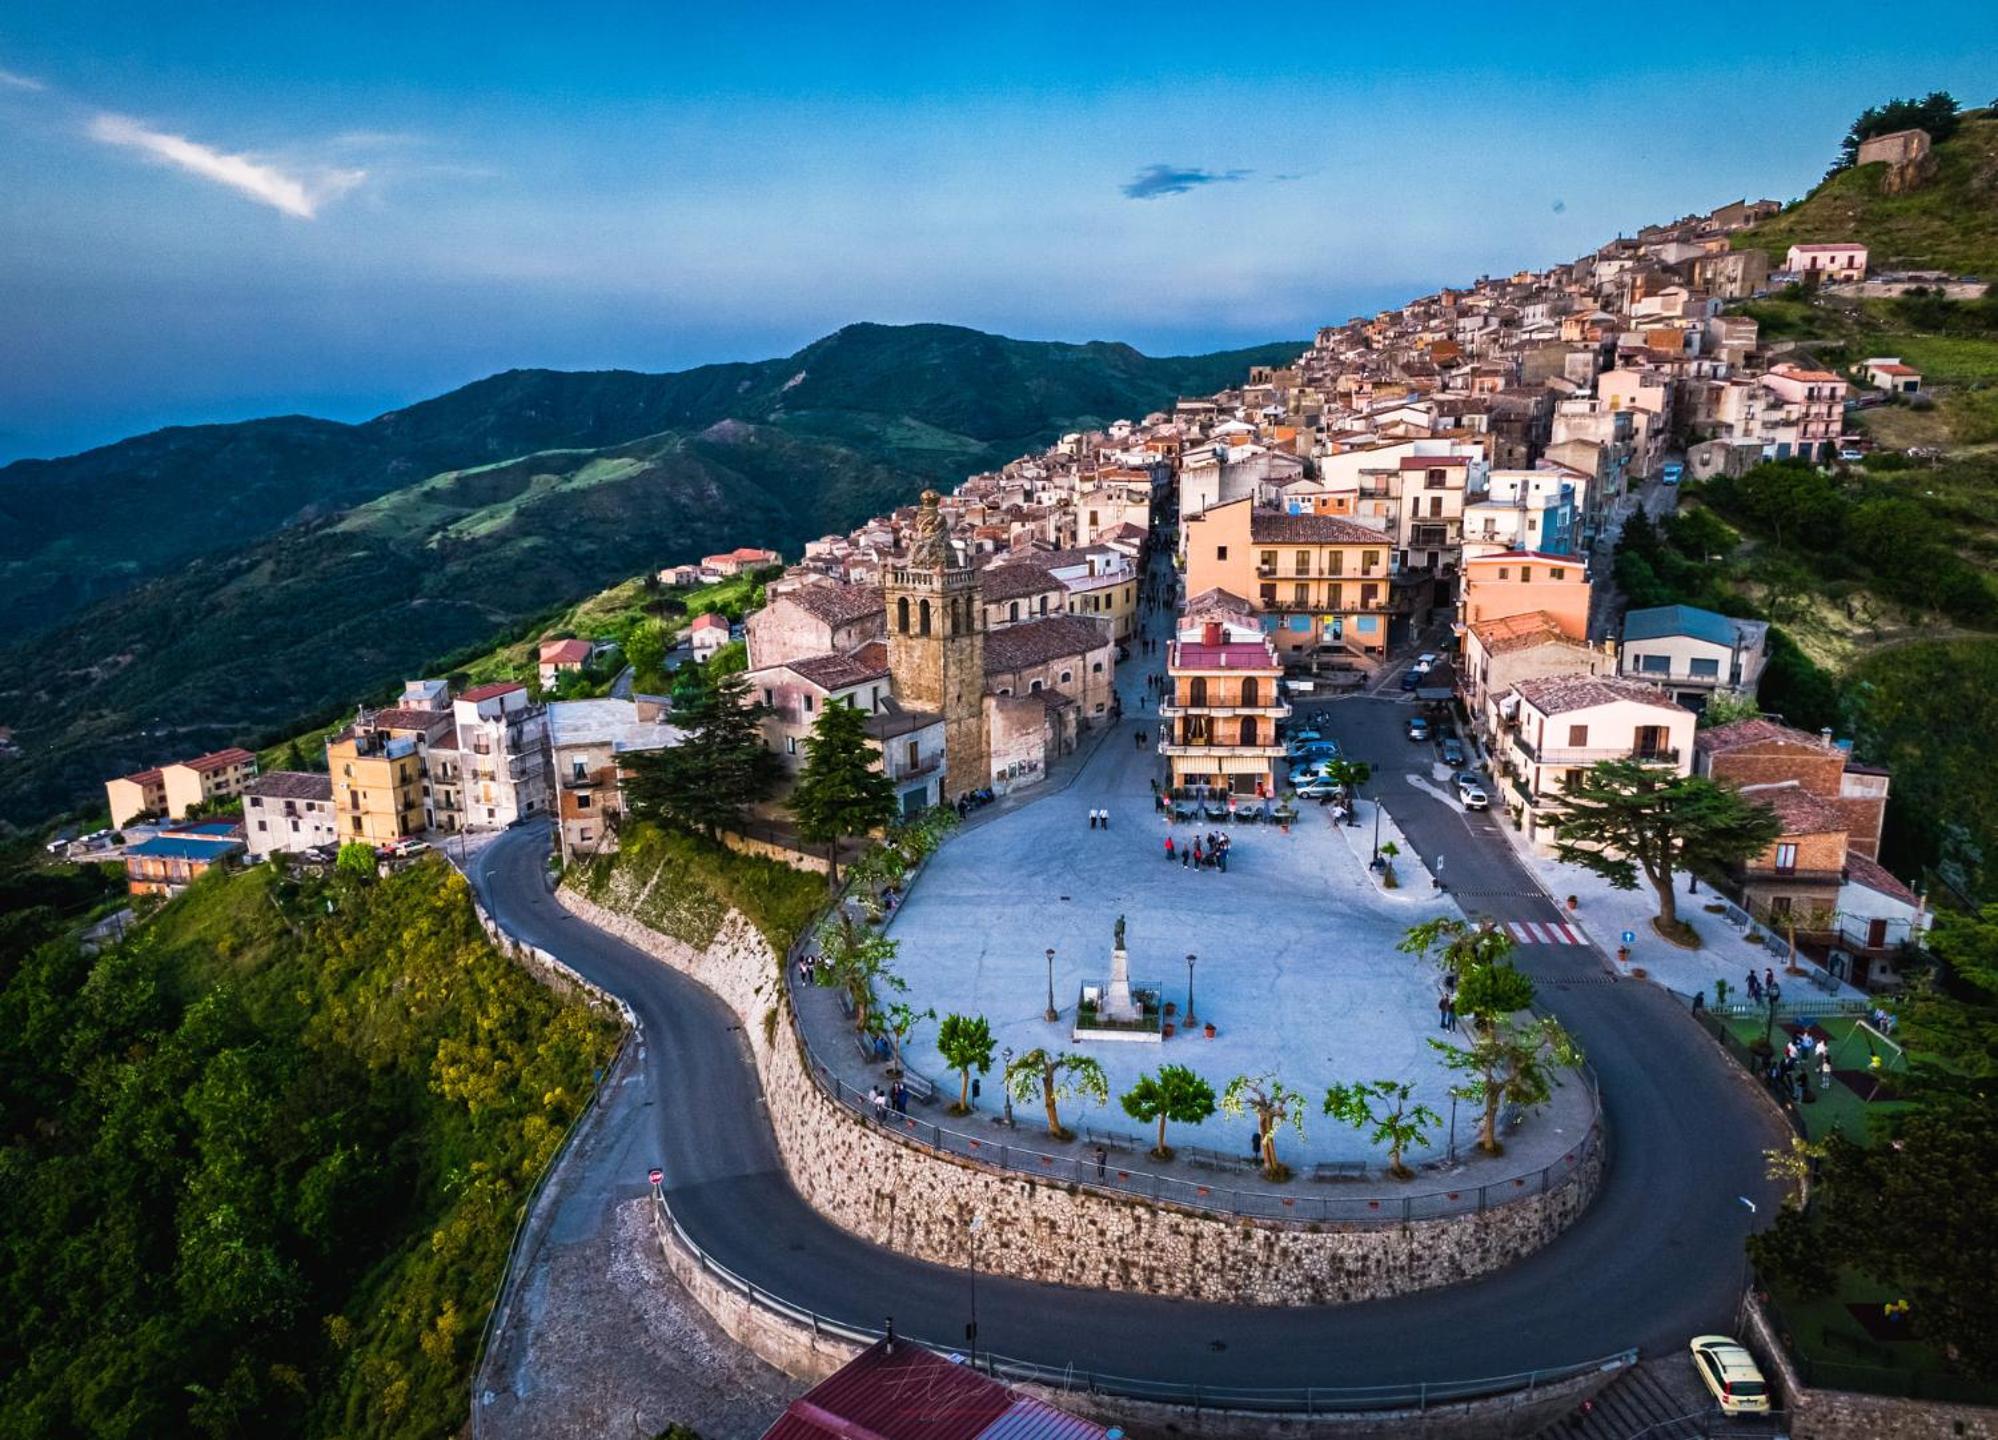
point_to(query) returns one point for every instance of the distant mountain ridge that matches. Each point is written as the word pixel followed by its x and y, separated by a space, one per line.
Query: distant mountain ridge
pixel 88 526
pixel 279 568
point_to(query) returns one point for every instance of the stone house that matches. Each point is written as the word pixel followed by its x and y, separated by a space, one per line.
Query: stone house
pixel 706 634
pixel 1497 654
pixel 1069 655
pixel 1887 373
pixel 797 691
pixel 588 741
pixel 288 810
pixel 814 620
pixel 1019 590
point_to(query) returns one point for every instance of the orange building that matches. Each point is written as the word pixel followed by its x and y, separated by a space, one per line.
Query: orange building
pixel 1227 697
pixel 1519 582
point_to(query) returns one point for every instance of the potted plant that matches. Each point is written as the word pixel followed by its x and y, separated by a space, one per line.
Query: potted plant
pixel 1210 1030
pixel 1167 1030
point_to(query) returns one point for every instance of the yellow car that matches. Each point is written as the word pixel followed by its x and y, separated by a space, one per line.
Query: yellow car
pixel 1731 1374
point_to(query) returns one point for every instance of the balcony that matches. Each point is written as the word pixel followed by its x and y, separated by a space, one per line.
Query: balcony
pixel 1277 708
pixel 1559 755
pixel 1791 876
pixel 1201 749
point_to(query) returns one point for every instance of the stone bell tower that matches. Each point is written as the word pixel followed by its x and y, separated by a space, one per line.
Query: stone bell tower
pixel 936 646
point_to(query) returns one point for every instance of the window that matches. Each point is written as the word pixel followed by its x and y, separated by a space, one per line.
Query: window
pixel 583 835
pixel 1876 934
pixel 790 744
pixel 1525 574
pixel 1706 669
pixel 1302 563
pixel 1786 856
pixel 1655 664
pixel 901 618
pixel 1505 572
pixel 1220 552
pixel 1097 668
pixel 1034 688
pixel 1558 572
pixel 576 770
pixel 583 800
pixel 1013 610
pixel 357 824
pixel 1251 693
pixel 262 826
pixel 923 616
pixel 915 755
pixel 1578 737
pixel 809 702
pixel 1300 595
pixel 1335 562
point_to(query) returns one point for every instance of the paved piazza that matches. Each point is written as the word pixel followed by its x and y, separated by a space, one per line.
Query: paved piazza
pixel 1297 965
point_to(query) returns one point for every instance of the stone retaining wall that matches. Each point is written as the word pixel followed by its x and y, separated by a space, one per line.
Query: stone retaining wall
pixel 917 1201
pixel 1848 1415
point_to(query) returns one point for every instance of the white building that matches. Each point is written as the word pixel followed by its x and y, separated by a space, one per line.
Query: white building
pixel 289 811
pixel 1553 728
pixel 503 757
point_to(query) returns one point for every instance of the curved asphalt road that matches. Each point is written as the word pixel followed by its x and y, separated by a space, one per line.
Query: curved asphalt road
pixel 1655 1260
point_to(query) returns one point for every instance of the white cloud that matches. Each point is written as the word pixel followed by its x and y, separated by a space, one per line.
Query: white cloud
pixel 258 179
pixel 14 81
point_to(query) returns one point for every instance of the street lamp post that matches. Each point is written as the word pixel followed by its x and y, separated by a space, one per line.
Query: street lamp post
pixel 1189 992
pixel 1376 862
pixel 1005 1082
pixel 971 1330
pixel 1052 1014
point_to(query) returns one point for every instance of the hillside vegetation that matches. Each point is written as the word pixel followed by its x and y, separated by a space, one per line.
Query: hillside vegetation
pixel 241 641
pixel 263 1160
pixel 1949 223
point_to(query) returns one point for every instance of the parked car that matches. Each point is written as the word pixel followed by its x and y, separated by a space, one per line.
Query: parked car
pixel 1471 794
pixel 1305 774
pixel 1302 734
pixel 1425 662
pixel 1319 787
pixel 1418 727
pixel 1468 777
pixel 405 848
pixel 1672 474
pixel 1314 750
pixel 1730 1372
pixel 1453 752
pixel 1410 679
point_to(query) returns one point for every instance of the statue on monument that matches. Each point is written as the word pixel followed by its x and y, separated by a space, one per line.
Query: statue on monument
pixel 929 547
pixel 1120 932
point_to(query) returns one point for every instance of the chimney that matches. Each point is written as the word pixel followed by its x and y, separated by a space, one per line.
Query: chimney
pixel 1210 633
pixel 1825 735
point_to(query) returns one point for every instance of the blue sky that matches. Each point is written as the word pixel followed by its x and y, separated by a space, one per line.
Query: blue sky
pixel 216 211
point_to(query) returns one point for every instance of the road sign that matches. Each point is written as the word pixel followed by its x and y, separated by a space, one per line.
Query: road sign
pixel 656 1175
pixel 1630 937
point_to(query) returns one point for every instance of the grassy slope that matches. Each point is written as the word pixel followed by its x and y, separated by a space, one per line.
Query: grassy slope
pixel 1950 223
pixel 282 1157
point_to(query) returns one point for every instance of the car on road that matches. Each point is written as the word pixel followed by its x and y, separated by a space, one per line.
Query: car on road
pixel 1410 679
pixel 1453 752
pixel 1730 1372
pixel 1319 787
pixel 1672 474
pixel 1425 662
pixel 1471 794
pixel 1418 727
pixel 1314 750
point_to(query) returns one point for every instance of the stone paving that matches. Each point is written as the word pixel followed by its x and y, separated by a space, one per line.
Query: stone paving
pixel 1296 967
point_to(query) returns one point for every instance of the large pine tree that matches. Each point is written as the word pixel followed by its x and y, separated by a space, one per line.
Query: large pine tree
pixel 707 782
pixel 840 791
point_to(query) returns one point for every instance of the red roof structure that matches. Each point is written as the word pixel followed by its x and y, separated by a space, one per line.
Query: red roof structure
pixel 899 1391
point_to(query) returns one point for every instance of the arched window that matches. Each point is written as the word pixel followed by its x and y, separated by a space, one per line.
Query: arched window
pixel 1067 676
pixel 1248 729
pixel 923 616
pixel 1251 691
pixel 902 615
pixel 1012 610
pixel 954 627
pixel 1034 688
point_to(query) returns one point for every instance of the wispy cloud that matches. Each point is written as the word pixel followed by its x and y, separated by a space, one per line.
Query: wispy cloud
pixel 1155 181
pixel 13 80
pixel 261 180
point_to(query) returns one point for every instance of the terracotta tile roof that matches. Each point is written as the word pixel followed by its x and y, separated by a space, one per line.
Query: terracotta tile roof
pixel 1801 812
pixel 905 1392
pixel 1859 870
pixel 709 621
pixel 837 604
pixel 1016 580
pixel 1757 730
pixel 400 717
pixel 218 759
pixel 1557 694
pixel 565 652
pixel 145 777
pixel 488 692
pixel 1035 642
pixel 291 785
pixel 837 672
pixel 1274 527
pixel 1519 632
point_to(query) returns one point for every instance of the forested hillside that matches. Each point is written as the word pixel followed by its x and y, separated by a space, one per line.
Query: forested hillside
pixel 237 640
pixel 263 1160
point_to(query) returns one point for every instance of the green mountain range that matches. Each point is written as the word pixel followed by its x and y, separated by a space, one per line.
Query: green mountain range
pixel 200 587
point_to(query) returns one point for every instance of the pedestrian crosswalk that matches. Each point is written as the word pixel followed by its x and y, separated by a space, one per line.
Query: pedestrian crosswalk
pixel 1541 932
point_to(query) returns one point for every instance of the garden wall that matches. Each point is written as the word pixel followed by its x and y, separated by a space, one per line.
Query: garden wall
pixel 1848 1415
pixel 897 1193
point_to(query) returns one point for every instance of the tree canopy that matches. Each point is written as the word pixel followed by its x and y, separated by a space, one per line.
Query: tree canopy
pixel 1175 1093
pixel 842 790
pixel 1625 818
pixel 965 1042
pixel 707 783
pixel 1936 112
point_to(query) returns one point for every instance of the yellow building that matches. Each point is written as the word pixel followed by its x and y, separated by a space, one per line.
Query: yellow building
pixel 219 775
pixel 377 786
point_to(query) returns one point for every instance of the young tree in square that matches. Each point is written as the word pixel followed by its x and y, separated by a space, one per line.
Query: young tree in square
pixel 1509 1061
pixel 1274 1105
pixel 965 1041
pixel 1387 1106
pixel 856 959
pixel 898 1022
pixel 1175 1094
pixel 1055 1076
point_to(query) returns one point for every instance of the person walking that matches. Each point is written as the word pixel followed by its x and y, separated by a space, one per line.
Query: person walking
pixel 1169 848
pixel 1754 988
pixel 1105 814
pixel 1442 1012
pixel 880 1102
pixel 1102 1162
pixel 1769 981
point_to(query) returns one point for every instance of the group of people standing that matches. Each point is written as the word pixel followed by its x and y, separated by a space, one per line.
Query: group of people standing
pixel 895 1097
pixel 1208 852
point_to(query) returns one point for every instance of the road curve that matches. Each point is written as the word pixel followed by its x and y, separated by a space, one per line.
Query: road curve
pixel 1656 1259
